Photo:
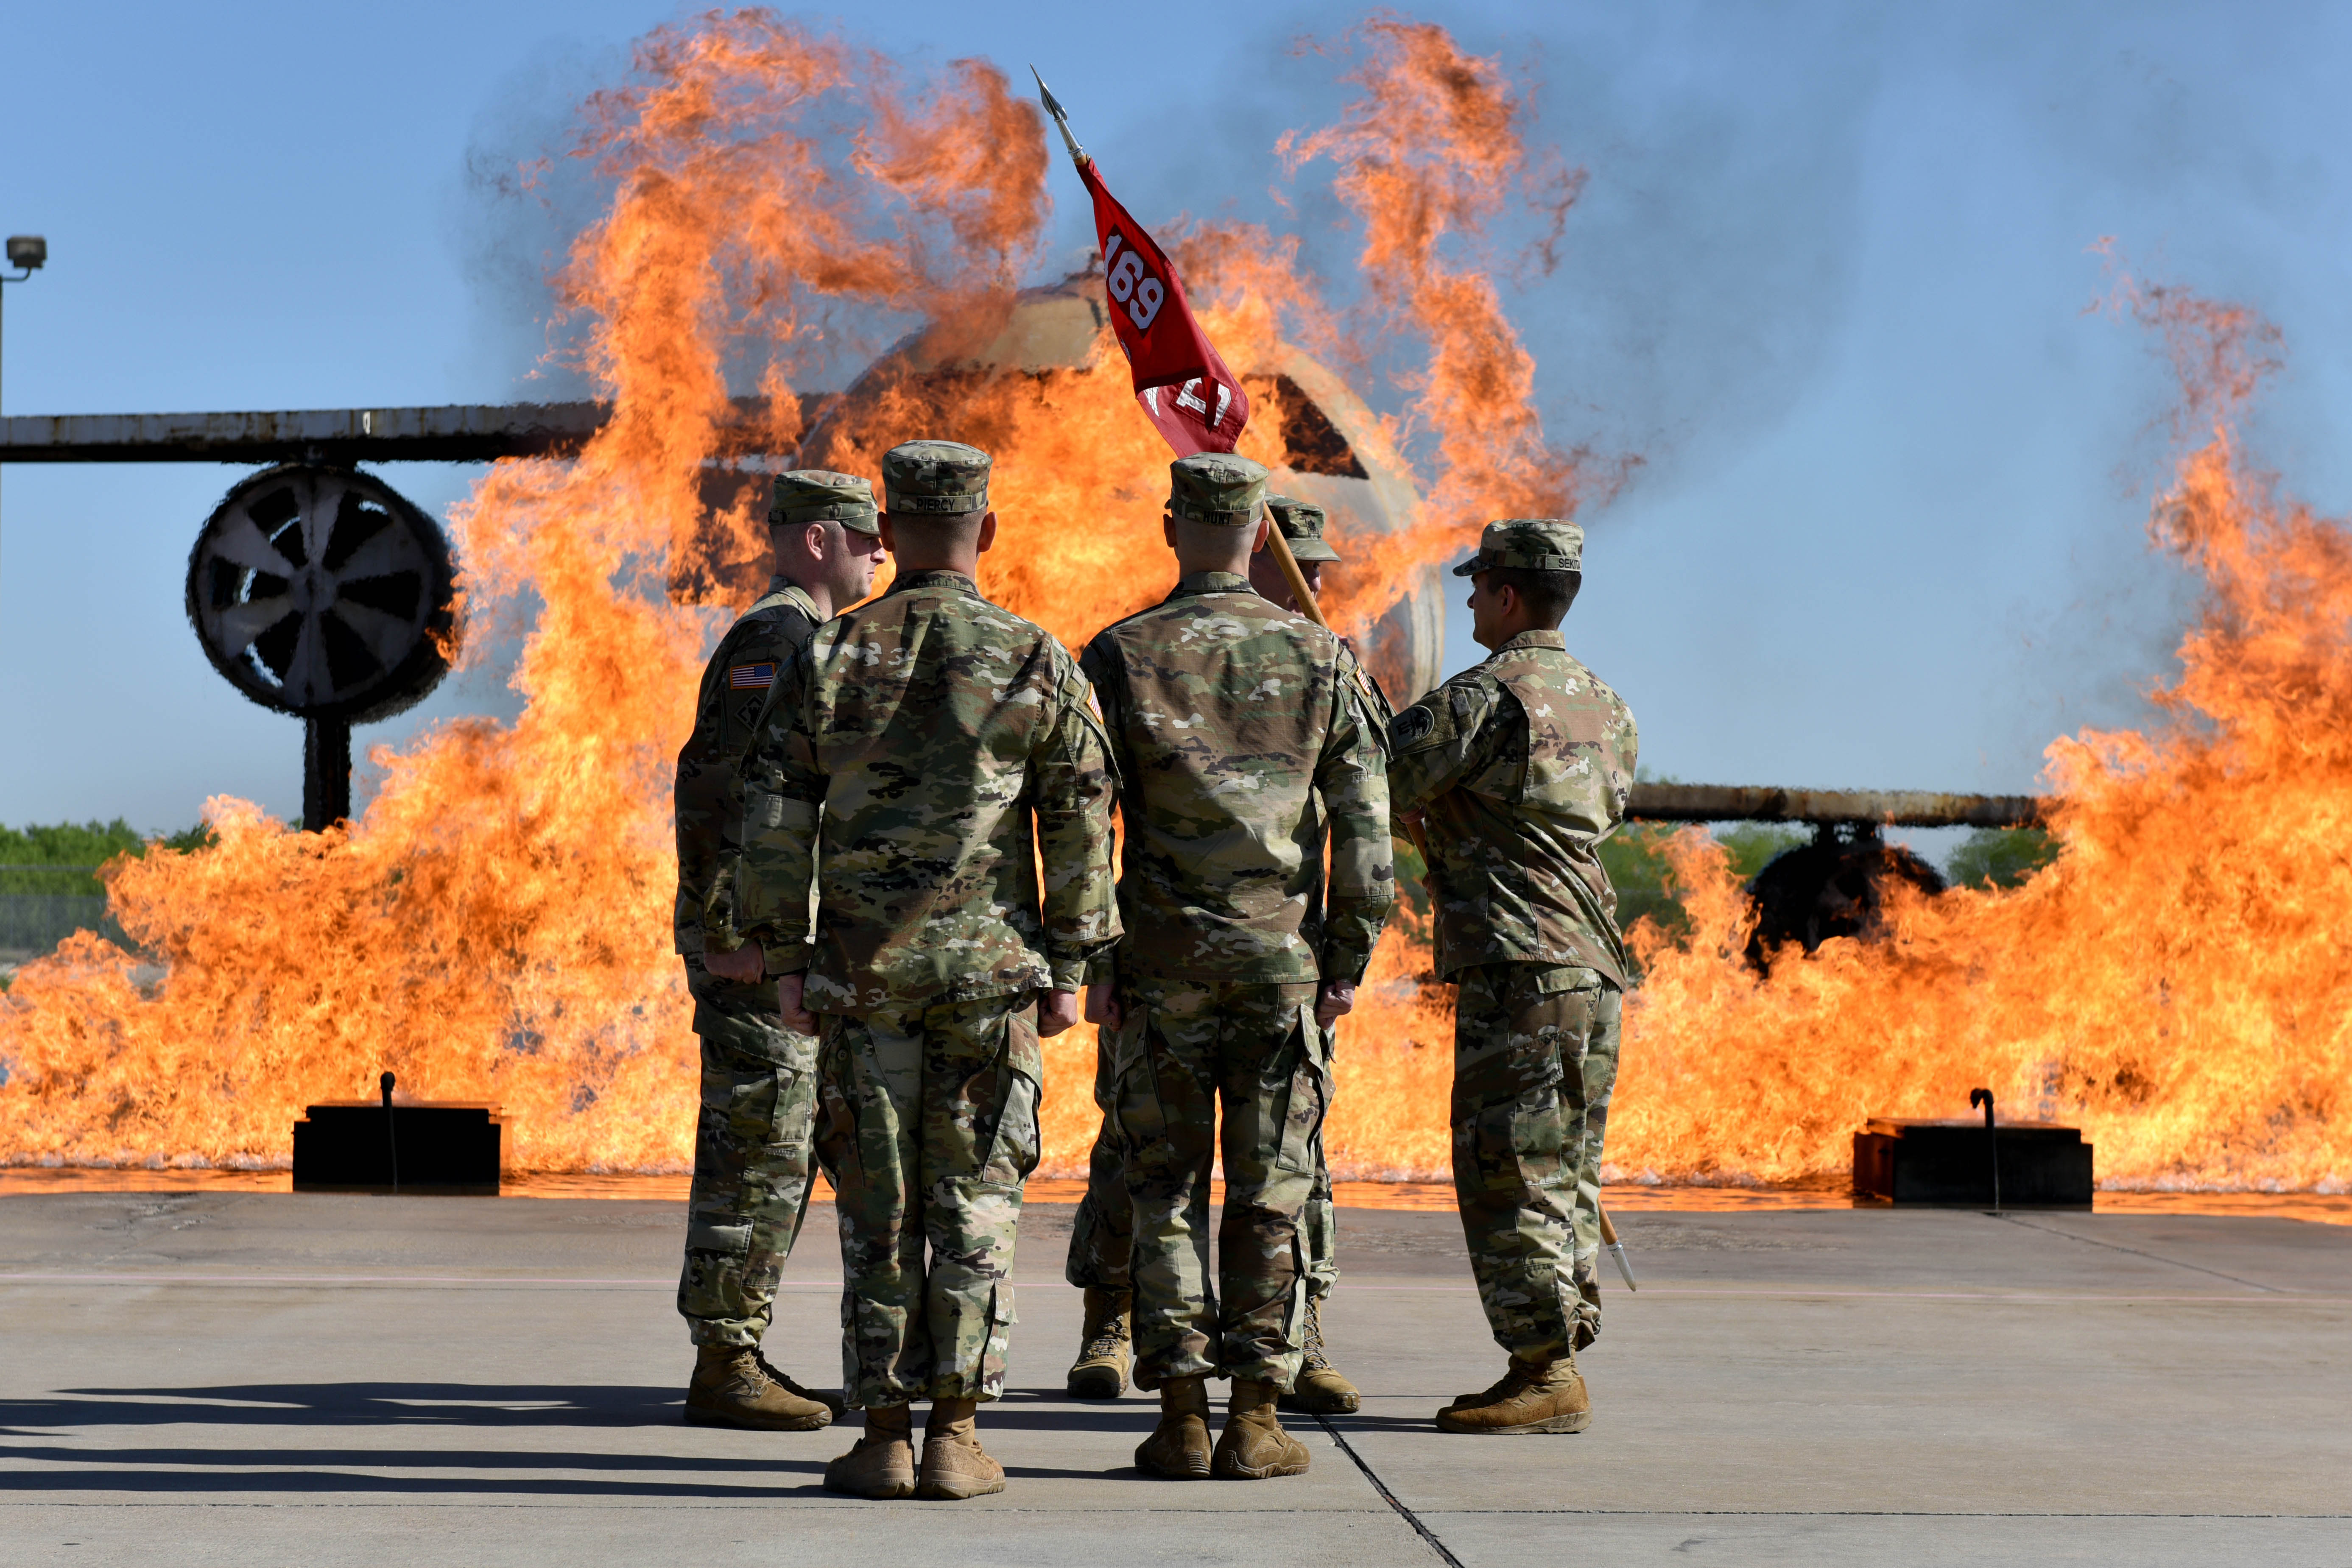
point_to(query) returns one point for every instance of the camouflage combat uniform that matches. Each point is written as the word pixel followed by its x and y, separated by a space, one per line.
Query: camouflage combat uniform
pixel 1102 1236
pixel 1241 740
pixel 898 764
pixel 759 1078
pixel 1521 767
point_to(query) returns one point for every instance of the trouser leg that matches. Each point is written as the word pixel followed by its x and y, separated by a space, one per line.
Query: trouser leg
pixel 751 1160
pixel 868 1142
pixel 1272 1064
pixel 1600 1083
pixel 1102 1235
pixel 1167 1099
pixel 983 1078
pixel 1518 1129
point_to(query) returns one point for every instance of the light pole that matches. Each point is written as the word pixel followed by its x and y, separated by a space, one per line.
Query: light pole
pixel 27 254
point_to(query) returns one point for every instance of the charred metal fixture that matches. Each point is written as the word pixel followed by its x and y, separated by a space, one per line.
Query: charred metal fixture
pixel 459 433
pixel 323 593
pixel 1889 808
pixel 1834 887
pixel 391 1128
pixel 1942 1162
pixel 345 1145
pixel 1992 1140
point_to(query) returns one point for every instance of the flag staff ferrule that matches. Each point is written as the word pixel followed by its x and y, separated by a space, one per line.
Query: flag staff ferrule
pixel 1054 106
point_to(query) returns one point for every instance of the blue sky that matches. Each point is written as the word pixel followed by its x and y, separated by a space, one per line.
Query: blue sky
pixel 1827 282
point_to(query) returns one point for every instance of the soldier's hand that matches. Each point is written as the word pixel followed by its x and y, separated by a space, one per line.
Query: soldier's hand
pixel 1056 1012
pixel 797 1018
pixel 1336 998
pixel 1103 1011
pixel 744 965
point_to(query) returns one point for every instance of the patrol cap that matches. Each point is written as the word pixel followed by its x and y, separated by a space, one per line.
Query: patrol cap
pixel 1217 488
pixel 1531 544
pixel 813 495
pixel 1301 523
pixel 936 478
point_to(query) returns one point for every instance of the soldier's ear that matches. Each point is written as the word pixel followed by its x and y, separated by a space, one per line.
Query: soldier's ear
pixel 987 534
pixel 1168 528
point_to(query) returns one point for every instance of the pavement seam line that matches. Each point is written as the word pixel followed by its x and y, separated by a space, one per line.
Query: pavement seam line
pixel 2151 1257
pixel 1427 1535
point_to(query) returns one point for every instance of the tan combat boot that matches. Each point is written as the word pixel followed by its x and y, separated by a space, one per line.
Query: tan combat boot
pixel 954 1464
pixel 1254 1445
pixel 1104 1345
pixel 834 1403
pixel 1319 1389
pixel 1178 1448
pixel 882 1465
pixel 1532 1396
pixel 732 1387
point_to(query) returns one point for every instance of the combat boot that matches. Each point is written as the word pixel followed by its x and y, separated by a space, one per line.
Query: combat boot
pixel 732 1387
pixel 1532 1396
pixel 1319 1389
pixel 1104 1345
pixel 1254 1445
pixel 834 1403
pixel 1178 1448
pixel 954 1464
pixel 882 1465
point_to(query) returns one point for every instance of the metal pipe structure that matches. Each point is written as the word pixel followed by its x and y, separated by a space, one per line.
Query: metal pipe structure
pixel 457 433
pixel 1889 808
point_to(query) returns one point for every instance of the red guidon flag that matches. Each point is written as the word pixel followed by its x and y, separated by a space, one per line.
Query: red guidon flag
pixel 1197 404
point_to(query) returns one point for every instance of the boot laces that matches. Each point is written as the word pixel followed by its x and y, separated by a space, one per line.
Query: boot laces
pixel 1313 1359
pixel 1107 1341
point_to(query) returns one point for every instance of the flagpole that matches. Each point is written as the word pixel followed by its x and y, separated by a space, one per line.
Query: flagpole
pixel 1052 106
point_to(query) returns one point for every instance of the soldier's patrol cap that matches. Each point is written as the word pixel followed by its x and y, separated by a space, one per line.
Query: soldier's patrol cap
pixel 1531 544
pixel 1301 523
pixel 813 495
pixel 1217 488
pixel 936 478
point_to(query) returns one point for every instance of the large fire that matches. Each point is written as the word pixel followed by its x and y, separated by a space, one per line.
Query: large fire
pixel 496 925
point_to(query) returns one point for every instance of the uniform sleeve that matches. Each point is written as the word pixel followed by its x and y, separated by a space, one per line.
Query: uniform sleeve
pixel 703 805
pixel 783 799
pixel 1352 775
pixel 1072 784
pixel 1439 740
pixel 1100 668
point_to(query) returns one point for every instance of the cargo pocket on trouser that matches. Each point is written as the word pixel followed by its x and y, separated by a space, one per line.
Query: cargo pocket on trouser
pixel 1308 1098
pixel 1021 1070
pixel 833 1122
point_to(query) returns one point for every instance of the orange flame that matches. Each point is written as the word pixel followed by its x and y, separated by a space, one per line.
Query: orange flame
pixel 494 927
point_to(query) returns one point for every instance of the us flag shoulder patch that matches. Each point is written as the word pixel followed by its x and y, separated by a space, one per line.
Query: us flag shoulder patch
pixel 750 677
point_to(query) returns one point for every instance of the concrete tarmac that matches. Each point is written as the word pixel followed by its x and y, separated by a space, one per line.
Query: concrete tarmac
pixel 263 1378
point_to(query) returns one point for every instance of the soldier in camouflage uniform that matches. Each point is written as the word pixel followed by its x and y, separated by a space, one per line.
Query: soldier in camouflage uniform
pixel 759 1078
pixel 1242 740
pixel 1103 1234
pixel 1516 769
pixel 898 766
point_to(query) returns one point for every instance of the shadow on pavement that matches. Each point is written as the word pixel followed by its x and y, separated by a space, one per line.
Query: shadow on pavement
pixel 352 1404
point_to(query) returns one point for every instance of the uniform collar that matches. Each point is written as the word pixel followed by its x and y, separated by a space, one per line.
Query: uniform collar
pixel 1552 640
pixel 935 577
pixel 1209 582
pixel 780 584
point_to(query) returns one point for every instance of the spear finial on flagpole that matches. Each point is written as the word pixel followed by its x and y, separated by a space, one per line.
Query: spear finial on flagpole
pixel 1054 106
